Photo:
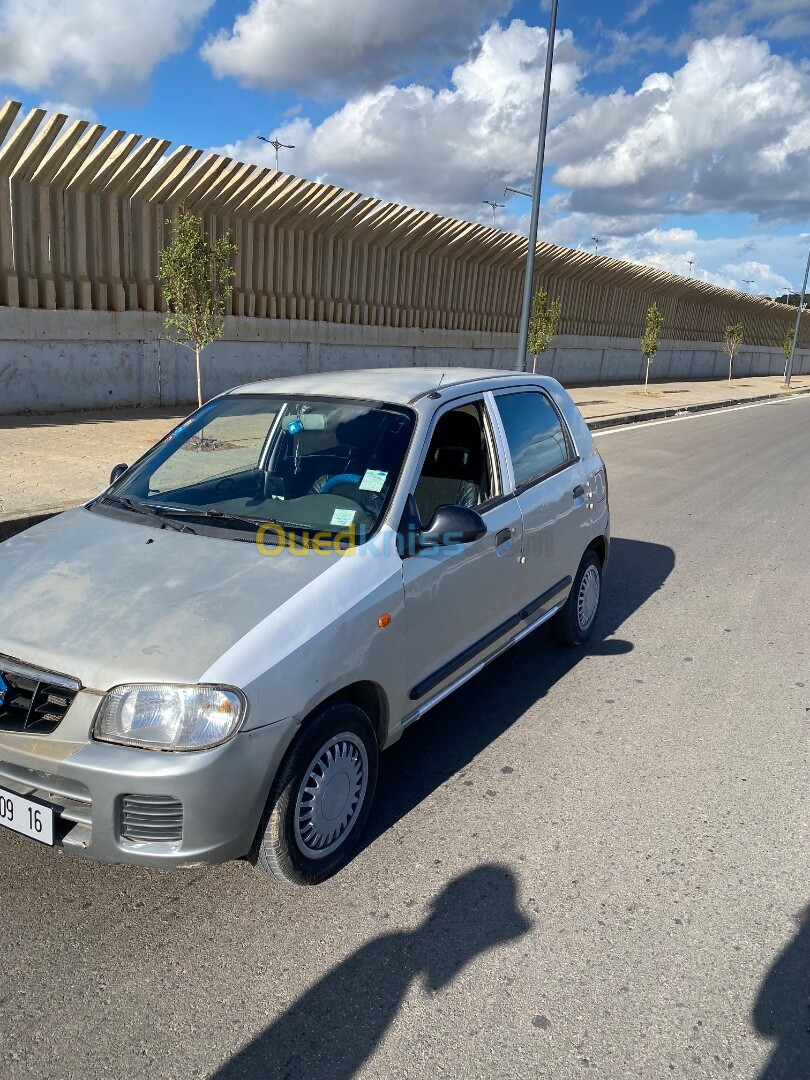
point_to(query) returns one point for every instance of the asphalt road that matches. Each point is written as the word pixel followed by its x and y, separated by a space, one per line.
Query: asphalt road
pixel 586 863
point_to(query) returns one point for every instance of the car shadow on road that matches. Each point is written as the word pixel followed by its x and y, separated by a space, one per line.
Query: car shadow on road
pixel 458 729
pixel 333 1028
pixel 782 1009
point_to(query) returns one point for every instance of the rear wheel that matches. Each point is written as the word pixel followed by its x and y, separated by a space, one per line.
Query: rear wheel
pixel 574 622
pixel 320 799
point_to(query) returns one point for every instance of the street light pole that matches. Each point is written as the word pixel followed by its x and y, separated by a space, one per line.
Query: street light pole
pixel 277 146
pixel 523 337
pixel 495 207
pixel 595 244
pixel 789 368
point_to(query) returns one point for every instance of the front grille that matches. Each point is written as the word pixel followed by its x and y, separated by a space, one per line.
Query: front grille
pixel 151 819
pixel 33 701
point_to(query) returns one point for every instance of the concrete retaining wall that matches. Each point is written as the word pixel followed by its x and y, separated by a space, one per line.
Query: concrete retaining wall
pixel 52 361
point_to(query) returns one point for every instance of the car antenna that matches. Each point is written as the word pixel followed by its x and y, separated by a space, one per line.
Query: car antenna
pixel 435 393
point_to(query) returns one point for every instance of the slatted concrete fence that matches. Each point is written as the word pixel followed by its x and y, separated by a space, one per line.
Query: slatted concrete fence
pixel 83 216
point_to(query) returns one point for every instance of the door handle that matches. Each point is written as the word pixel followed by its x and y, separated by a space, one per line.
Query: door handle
pixel 578 491
pixel 503 537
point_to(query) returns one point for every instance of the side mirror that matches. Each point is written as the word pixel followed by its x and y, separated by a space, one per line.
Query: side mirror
pixel 452 525
pixel 118 471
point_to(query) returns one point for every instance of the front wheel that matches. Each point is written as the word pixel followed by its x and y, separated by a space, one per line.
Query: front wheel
pixel 320 799
pixel 573 623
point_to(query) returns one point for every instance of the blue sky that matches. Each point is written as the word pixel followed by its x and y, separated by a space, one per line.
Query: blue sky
pixel 677 129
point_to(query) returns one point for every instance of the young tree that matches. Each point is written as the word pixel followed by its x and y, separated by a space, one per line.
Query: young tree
pixel 787 346
pixel 732 340
pixel 651 339
pixel 543 324
pixel 197 278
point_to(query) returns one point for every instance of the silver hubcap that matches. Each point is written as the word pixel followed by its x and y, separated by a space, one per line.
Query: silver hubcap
pixel 588 598
pixel 330 796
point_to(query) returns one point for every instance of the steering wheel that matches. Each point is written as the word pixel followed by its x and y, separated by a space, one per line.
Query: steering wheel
pixel 342 478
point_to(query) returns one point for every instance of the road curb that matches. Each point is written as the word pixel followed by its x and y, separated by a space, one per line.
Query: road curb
pixel 623 419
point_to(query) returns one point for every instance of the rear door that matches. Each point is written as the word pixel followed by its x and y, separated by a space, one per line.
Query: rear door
pixel 548 480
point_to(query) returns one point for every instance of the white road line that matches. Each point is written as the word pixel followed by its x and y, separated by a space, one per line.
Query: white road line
pixel 638 424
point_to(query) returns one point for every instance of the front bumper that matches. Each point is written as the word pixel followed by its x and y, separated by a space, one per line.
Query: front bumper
pixel 222 791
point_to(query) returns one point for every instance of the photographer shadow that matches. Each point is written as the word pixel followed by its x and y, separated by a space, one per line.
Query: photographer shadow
pixel 782 1009
pixel 333 1028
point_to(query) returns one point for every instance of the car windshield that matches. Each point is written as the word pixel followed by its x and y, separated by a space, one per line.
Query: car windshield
pixel 319 465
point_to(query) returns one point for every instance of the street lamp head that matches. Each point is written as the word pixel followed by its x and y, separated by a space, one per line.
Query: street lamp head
pixel 495 206
pixel 277 146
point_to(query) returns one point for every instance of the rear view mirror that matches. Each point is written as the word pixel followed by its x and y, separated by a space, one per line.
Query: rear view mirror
pixel 273 486
pixel 117 472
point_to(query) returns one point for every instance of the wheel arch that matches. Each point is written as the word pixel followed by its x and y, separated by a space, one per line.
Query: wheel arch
pixel 366 695
pixel 600 545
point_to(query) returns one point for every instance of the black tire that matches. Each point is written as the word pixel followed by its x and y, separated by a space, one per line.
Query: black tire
pixel 567 625
pixel 280 850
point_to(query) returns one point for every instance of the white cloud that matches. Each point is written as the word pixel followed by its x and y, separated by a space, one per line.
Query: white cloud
pixel 728 131
pixel 772 261
pixel 72 112
pixel 725 261
pixel 82 46
pixel 624 48
pixel 331 47
pixel 772 18
pixel 444 149
pixel 641 10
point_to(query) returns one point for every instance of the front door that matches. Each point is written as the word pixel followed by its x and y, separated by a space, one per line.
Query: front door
pixel 461 601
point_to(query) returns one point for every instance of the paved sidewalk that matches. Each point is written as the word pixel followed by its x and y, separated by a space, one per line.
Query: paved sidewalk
pixel 52 462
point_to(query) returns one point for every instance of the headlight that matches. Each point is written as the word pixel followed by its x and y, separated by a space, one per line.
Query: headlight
pixel 170 717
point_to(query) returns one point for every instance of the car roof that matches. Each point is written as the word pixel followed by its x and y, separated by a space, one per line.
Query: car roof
pixel 400 386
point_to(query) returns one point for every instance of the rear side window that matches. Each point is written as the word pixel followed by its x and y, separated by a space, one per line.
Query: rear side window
pixel 537 442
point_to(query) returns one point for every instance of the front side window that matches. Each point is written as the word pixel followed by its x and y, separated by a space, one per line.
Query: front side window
pixel 458 468
pixel 310 464
pixel 537 442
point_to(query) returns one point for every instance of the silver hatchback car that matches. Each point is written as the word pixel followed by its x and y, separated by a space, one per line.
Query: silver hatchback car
pixel 204 662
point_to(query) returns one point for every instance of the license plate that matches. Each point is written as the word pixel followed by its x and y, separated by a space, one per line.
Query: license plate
pixel 26 816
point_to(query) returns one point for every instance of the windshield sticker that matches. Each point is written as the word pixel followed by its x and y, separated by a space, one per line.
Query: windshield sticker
pixel 373 480
pixel 343 517
pixel 174 432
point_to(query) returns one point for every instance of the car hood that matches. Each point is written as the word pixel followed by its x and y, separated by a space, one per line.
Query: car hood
pixel 108 600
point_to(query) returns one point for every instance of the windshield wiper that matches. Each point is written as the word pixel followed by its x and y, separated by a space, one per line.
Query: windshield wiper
pixel 215 515
pixel 141 508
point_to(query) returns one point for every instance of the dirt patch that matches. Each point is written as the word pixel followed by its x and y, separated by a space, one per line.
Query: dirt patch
pixel 200 444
